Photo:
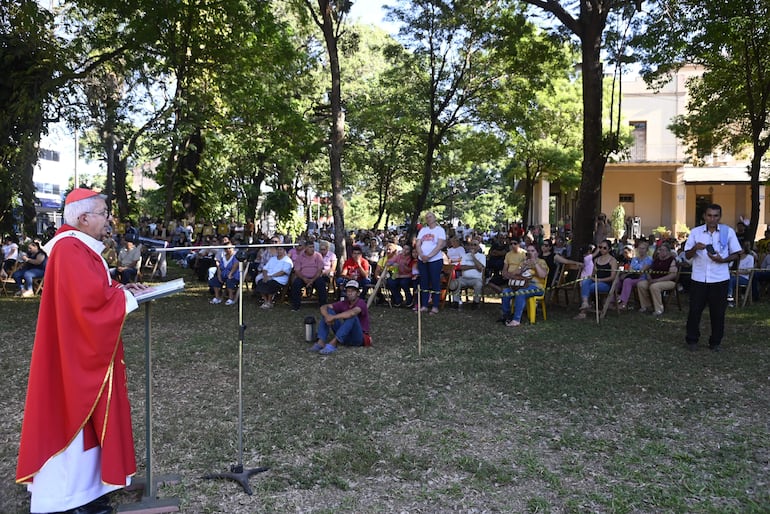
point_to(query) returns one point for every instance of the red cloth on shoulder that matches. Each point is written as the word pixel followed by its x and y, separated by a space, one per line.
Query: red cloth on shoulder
pixel 77 377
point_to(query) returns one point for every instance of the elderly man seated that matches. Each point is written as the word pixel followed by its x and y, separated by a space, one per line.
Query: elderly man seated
pixel 348 319
pixel 129 258
pixel 308 272
pixel 472 269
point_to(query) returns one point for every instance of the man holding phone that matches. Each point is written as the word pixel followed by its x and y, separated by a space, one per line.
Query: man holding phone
pixel 711 247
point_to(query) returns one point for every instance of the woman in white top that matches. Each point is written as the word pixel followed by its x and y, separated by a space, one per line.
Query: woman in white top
pixel 10 256
pixel 430 241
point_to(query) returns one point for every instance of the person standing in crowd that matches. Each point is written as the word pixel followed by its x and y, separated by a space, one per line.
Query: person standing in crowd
pixel 711 247
pixel 76 439
pixel 430 241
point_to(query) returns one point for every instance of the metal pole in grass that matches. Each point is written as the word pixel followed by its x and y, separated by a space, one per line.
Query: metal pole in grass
pixel 596 297
pixel 237 472
pixel 419 322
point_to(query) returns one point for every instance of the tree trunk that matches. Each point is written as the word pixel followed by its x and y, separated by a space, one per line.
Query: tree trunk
pixel 337 135
pixel 594 156
pixel 756 186
pixel 427 176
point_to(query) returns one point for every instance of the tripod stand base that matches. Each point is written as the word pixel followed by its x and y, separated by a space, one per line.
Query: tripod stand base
pixel 151 506
pixel 148 504
pixel 240 475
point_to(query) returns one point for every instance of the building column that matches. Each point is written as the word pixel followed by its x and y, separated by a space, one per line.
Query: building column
pixel 680 201
pixel 541 201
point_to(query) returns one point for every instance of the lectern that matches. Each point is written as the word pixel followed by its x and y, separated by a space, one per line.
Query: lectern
pixel 150 503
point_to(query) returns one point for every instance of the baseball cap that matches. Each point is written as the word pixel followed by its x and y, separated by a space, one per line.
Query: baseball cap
pixel 353 284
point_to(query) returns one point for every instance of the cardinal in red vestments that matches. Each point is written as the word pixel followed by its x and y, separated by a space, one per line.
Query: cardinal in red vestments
pixel 76 439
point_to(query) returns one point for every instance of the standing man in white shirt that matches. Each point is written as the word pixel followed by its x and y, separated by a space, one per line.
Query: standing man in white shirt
pixel 711 248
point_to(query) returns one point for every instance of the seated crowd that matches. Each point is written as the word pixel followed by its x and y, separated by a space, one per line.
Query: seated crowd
pixel 441 263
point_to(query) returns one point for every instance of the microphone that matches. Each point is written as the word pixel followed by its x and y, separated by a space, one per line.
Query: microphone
pixel 145 240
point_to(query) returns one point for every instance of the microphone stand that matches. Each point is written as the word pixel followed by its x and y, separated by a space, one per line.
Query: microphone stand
pixel 237 471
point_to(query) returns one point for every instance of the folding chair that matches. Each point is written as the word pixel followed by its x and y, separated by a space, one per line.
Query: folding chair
pixel 566 280
pixel 609 294
pixel 9 281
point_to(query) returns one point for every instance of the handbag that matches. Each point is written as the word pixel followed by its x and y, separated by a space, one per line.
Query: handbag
pixel 520 280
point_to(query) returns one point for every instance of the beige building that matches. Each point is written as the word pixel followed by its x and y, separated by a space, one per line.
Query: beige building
pixel 656 184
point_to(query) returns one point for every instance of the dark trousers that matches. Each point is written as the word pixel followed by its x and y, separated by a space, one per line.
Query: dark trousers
pixel 320 284
pixel 715 296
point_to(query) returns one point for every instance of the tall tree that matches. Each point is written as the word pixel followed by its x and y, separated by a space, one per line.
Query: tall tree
pixel 31 58
pixel 384 139
pixel 587 20
pixel 330 16
pixel 728 106
pixel 448 40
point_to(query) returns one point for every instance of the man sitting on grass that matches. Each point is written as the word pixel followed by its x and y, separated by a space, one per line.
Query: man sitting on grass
pixel 348 319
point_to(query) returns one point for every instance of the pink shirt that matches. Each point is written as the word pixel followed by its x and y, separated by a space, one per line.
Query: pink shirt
pixel 308 266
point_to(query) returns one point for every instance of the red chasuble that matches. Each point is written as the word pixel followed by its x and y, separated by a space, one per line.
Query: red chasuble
pixel 77 377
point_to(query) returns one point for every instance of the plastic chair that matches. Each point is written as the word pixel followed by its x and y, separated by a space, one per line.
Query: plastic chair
pixel 532 302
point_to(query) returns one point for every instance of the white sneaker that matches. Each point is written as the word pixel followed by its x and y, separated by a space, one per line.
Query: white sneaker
pixel 215 301
pixel 229 302
pixel 266 305
pixel 27 292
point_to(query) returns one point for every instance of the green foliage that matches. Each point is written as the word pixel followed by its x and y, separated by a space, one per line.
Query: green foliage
pixel 292 224
pixel 31 62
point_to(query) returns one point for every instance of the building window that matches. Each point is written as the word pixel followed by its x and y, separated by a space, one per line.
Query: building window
pixel 626 198
pixel 638 150
pixel 49 155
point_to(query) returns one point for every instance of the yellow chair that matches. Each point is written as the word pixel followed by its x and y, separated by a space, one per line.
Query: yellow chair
pixel 532 302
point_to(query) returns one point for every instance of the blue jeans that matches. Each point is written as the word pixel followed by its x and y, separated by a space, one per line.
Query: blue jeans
pixel 26 277
pixel 347 332
pixel 587 288
pixel 744 281
pixel 430 282
pixel 320 284
pixel 396 285
pixel 519 300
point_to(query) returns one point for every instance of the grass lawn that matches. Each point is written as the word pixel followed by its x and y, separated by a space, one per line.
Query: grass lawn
pixel 562 416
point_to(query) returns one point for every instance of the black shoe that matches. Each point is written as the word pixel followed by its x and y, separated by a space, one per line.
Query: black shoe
pixel 100 505
pixel 692 347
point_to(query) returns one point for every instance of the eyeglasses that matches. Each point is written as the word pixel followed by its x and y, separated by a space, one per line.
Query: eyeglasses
pixel 104 213
pixel 604 248
pixel 274 242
